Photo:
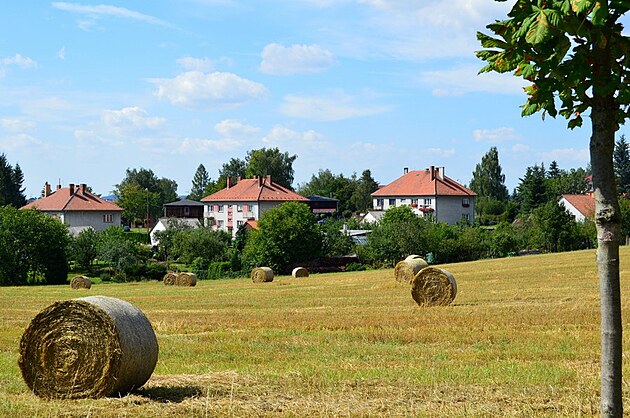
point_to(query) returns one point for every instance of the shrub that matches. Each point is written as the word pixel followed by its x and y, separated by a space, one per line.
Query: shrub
pixel 199 266
pixel 355 267
pixel 219 270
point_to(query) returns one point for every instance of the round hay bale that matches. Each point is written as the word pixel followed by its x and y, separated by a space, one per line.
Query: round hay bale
pixel 170 278
pixel 412 256
pixel 262 274
pixel 186 279
pixel 299 272
pixel 80 282
pixel 406 270
pixel 88 348
pixel 433 286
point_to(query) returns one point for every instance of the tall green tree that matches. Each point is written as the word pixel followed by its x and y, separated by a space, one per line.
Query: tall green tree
pixel 574 53
pixel 361 198
pixel 11 179
pixel 327 184
pixel 234 169
pixel 488 179
pixel 200 183
pixel 532 190
pixel 264 162
pixel 573 181
pixel 140 188
pixel 621 161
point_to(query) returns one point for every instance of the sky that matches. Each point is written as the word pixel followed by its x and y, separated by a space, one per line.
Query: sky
pixel 91 89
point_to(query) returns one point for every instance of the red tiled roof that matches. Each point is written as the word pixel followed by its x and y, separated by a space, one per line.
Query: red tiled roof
pixel 584 203
pixel 257 189
pixel 251 224
pixel 80 200
pixel 427 182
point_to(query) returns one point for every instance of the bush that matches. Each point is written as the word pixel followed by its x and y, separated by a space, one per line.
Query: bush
pixel 106 277
pixel 119 277
pixel 155 271
pixel 199 266
pixel 355 267
pixel 219 270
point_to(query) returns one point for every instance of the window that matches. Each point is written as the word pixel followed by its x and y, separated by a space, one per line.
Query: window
pixel 466 216
pixel 220 208
pixel 414 201
pixel 392 202
pixel 403 200
pixel 108 218
pixel 428 201
pixel 465 203
pixel 379 203
pixel 239 208
pixel 186 211
pixel 220 223
pixel 239 223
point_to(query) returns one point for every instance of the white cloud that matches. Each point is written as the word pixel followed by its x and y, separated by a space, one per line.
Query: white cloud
pixel 130 119
pixel 92 13
pixel 337 106
pixel 465 79
pixel 496 135
pixel 232 128
pixel 440 152
pixel 16 124
pixel 19 142
pixel 581 156
pixel 196 64
pixel 296 59
pixel 61 54
pixel 520 149
pixel 195 89
pixel 205 146
pixel 281 135
pixel 19 61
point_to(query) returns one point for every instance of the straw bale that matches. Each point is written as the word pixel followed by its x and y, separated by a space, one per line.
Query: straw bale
pixel 433 286
pixel 80 282
pixel 412 256
pixel 299 272
pixel 262 274
pixel 186 279
pixel 88 348
pixel 170 278
pixel 406 270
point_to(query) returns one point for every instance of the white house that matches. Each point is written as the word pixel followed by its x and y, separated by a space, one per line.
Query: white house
pixel 164 223
pixel 581 206
pixel 430 193
pixel 248 199
pixel 78 208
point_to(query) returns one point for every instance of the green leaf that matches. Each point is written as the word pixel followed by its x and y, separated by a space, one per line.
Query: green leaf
pixel 581 6
pixel 600 15
pixel 490 42
pixel 539 30
pixel 576 122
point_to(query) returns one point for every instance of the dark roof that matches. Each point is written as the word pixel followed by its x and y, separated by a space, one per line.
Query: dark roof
pixel 316 198
pixel 185 202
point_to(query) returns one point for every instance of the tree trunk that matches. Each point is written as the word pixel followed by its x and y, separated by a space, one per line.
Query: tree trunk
pixel 608 222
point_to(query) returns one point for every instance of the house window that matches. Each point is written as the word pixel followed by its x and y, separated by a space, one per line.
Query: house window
pixel 414 201
pixel 466 216
pixel 427 201
pixel 379 203
pixel 220 223
pixel 220 208
pixel 186 211
pixel 403 201
pixel 239 208
pixel 108 218
pixel 239 223
pixel 392 202
pixel 465 203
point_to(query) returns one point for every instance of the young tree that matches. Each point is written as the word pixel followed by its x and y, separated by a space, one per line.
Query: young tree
pixel 488 180
pixel 532 190
pixel 200 183
pixel 233 169
pixel 11 179
pixel 362 196
pixel 575 51
pixel 263 162
pixel 143 183
pixel 327 184
pixel 621 161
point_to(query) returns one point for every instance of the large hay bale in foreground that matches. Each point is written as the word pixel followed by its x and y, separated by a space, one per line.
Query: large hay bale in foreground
pixel 412 256
pixel 299 272
pixel 88 348
pixel 80 282
pixel 186 279
pixel 406 270
pixel 433 286
pixel 170 278
pixel 262 275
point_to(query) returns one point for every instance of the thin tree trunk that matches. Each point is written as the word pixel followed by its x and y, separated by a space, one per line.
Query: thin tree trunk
pixel 608 222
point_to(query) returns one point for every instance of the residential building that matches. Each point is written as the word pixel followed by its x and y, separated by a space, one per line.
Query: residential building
pixel 185 208
pixel 430 193
pixel 248 199
pixel 164 223
pixel 581 206
pixel 76 207
pixel 322 205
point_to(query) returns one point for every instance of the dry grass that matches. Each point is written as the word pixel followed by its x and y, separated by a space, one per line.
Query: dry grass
pixel 521 339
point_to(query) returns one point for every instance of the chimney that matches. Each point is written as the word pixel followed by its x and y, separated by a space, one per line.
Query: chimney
pixel 268 179
pixel 59 186
pixel 82 188
pixel 229 182
pixel 71 189
pixel 432 172
pixel 260 181
pixel 47 191
pixel 440 172
pixel 405 170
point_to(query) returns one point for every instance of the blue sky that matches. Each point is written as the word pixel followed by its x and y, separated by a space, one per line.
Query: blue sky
pixel 89 89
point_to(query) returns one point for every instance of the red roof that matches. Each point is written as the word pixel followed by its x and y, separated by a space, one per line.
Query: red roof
pixel 73 198
pixel 429 182
pixel 584 203
pixel 257 189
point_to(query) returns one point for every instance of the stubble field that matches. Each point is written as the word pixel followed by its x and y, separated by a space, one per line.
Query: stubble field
pixel 520 339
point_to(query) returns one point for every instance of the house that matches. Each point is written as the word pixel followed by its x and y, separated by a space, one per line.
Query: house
pixel 185 208
pixel 372 216
pixel 164 223
pixel 581 206
pixel 76 207
pixel 248 199
pixel 322 205
pixel 430 193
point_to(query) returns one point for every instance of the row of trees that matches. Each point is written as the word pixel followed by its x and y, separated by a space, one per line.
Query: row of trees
pixel 11 180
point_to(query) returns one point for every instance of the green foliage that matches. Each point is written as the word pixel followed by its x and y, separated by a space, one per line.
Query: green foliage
pixel 287 234
pixel 167 238
pixel 344 189
pixel 32 245
pixel 271 162
pixel 567 182
pixel 532 191
pixel 334 241
pixel 555 226
pixel 219 270
pixel 361 199
pixel 11 179
pixel 202 242
pixel 83 248
pixel 114 248
pixel 621 162
pixel 488 181
pixel 141 191
pixel 199 266
pixel 200 184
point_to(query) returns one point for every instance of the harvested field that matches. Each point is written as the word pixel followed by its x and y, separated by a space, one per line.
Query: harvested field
pixel 521 339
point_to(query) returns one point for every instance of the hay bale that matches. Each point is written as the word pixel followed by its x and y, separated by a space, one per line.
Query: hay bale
pixel 411 257
pixel 88 348
pixel 80 282
pixel 406 270
pixel 262 274
pixel 433 286
pixel 299 272
pixel 186 279
pixel 170 278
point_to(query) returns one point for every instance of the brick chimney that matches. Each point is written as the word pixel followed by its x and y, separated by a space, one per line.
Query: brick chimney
pixel 432 172
pixel 47 191
pixel 260 181
pixel 83 188
pixel 71 189
pixel 229 182
pixel 440 172
pixel 268 178
pixel 405 170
